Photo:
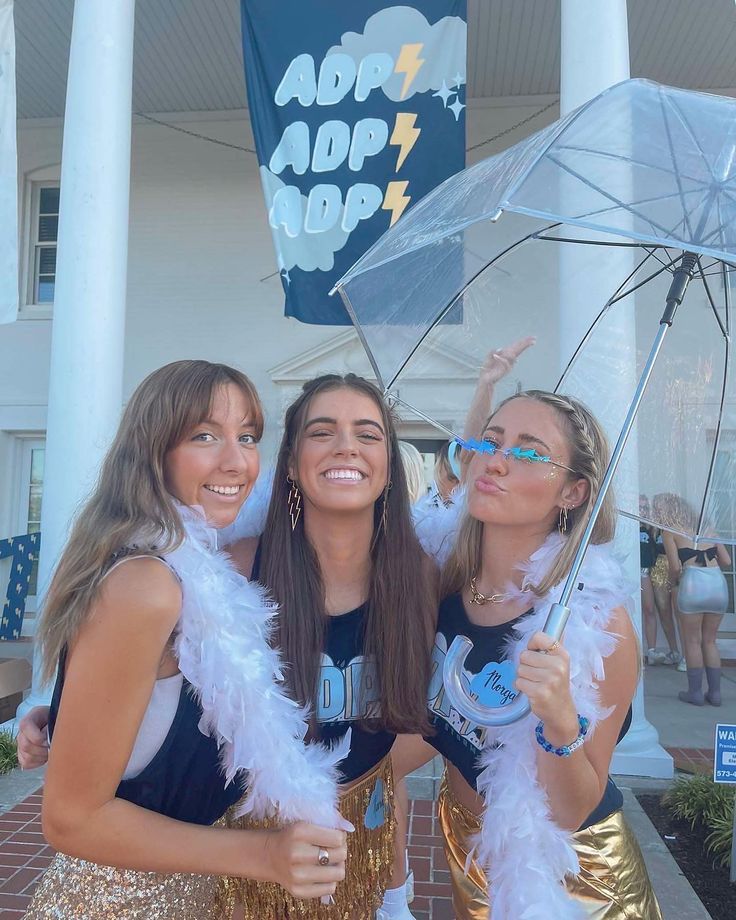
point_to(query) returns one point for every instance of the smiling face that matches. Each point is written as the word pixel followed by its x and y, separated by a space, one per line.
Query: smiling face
pixel 216 464
pixel 515 492
pixel 341 461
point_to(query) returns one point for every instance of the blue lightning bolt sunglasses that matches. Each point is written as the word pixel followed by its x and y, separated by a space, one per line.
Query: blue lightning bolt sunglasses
pixel 519 454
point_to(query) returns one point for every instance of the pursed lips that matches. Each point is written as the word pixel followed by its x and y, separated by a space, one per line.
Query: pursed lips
pixel 488 486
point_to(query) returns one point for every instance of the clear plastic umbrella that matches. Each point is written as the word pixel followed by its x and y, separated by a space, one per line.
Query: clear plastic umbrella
pixel 587 235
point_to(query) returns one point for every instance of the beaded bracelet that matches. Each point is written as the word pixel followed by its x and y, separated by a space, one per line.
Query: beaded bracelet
pixel 566 749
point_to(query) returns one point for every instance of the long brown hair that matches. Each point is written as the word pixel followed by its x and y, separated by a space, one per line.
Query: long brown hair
pixel 589 456
pixel 130 501
pixel 399 623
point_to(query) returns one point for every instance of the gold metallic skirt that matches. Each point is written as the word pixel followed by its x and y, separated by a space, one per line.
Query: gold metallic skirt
pixel 660 574
pixel 369 806
pixel 74 888
pixel 613 883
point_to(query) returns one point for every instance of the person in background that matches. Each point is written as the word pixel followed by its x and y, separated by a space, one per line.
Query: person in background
pixel 652 613
pixel 413 470
pixel 700 595
pixel 659 575
pixel 445 478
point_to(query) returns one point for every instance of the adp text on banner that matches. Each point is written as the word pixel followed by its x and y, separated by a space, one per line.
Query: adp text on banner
pixel 358 110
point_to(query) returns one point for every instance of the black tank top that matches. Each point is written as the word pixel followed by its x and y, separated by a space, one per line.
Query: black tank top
pixel 701 556
pixel 184 780
pixel 647 548
pixel 457 739
pixel 347 692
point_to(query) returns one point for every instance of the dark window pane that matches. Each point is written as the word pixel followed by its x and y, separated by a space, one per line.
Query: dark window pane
pixel 47 260
pixel 45 290
pixel 48 229
pixel 49 201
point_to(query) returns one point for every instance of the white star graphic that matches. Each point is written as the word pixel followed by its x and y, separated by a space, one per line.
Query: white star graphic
pixel 444 93
pixel 286 276
pixel 457 108
pixel 459 79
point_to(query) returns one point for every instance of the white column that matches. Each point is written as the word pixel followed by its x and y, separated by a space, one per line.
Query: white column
pixel 85 384
pixel 594 56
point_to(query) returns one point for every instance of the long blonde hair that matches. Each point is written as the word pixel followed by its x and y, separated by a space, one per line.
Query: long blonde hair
pixel 589 456
pixel 130 501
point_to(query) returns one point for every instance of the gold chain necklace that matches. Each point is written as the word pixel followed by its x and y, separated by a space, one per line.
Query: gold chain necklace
pixel 476 597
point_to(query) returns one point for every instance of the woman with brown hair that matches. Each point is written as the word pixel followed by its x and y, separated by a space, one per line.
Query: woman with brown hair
pixel 340 556
pixel 140 619
pixel 529 814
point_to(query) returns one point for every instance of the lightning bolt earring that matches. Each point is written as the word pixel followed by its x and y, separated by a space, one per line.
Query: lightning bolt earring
pixel 295 503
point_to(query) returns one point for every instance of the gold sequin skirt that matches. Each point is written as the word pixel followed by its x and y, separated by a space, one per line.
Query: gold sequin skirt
pixel 74 889
pixel 659 573
pixel 613 883
pixel 369 806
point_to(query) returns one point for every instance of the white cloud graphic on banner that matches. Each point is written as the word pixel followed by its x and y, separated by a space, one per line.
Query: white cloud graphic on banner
pixel 426 57
pixel 295 246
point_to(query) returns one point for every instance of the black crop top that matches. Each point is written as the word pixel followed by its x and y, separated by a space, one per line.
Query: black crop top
pixel 647 548
pixel 184 779
pixel 457 739
pixel 347 692
pixel 701 556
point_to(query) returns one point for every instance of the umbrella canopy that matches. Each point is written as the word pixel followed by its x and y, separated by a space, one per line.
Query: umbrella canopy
pixel 573 235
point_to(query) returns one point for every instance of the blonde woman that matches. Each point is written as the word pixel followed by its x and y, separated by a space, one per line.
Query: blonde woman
pixel 139 619
pixel 552 836
pixel 700 596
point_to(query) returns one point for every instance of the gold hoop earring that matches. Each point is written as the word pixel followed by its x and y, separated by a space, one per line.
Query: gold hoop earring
pixel 562 523
pixel 295 503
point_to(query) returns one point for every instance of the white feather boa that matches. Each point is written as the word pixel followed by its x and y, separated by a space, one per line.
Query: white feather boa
pixel 224 652
pixel 524 854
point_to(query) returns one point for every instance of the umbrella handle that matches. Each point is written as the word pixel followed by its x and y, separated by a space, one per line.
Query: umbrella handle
pixel 455 684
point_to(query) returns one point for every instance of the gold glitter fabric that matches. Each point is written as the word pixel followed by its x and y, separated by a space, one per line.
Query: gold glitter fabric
pixel 74 889
pixel 613 883
pixel 660 574
pixel 369 806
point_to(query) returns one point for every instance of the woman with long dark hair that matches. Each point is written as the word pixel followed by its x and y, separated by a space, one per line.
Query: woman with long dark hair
pixel 340 556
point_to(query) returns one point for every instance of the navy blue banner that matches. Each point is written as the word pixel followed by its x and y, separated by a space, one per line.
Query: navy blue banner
pixel 358 110
pixel 23 552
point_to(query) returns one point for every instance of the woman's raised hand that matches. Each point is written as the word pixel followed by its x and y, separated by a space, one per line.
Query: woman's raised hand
pixel 296 857
pixel 499 362
pixel 33 738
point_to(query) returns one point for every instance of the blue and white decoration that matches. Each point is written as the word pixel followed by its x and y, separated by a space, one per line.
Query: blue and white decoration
pixel 358 110
pixel 23 552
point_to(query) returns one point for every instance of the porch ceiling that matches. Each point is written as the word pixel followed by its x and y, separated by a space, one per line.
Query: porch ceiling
pixel 188 55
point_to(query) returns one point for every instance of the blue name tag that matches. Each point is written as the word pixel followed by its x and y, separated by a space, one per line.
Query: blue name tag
pixel 494 685
pixel 375 813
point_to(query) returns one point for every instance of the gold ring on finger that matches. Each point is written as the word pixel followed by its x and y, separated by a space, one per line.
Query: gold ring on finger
pixel 555 645
pixel 323 857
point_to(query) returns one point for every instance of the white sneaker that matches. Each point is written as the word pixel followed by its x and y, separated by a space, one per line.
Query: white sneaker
pixel 682 665
pixel 404 914
pixel 672 657
pixel 655 656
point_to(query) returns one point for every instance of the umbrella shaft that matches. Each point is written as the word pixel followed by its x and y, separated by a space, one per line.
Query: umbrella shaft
pixel 613 464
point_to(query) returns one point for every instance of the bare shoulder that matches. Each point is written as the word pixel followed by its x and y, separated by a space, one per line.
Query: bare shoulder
pixel 143 587
pixel 243 554
pixel 621 625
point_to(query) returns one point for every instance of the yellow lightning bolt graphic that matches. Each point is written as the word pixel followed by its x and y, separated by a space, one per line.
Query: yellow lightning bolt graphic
pixel 404 135
pixel 409 63
pixel 395 200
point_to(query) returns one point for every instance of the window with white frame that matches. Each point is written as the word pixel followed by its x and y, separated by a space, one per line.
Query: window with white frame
pixel 32 456
pixel 44 234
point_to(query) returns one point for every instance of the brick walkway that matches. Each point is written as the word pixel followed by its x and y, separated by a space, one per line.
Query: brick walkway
pixel 692 760
pixel 24 855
